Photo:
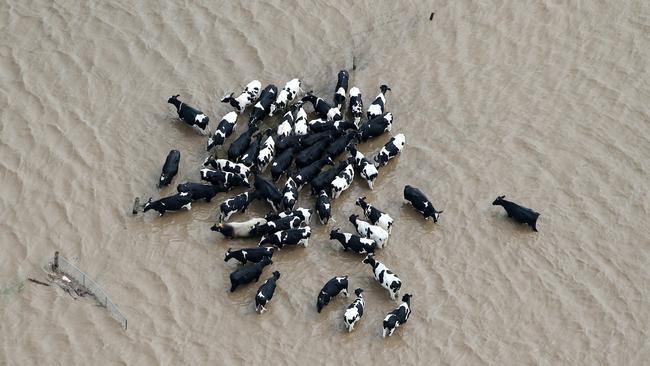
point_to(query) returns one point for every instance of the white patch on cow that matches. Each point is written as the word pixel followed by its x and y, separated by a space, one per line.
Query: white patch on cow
pixel 354 92
pixel 341 92
pixel 333 114
pixel 200 117
pixel 375 110
pixel 187 206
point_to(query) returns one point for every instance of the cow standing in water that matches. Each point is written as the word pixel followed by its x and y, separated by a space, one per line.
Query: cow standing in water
pixel 189 114
pixel 341 89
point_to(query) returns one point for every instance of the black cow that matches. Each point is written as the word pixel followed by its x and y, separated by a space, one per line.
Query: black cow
pixel 170 168
pixel 375 127
pixel 249 254
pixel 284 143
pixel 323 207
pixel 240 145
pixel 201 191
pixel 265 293
pixel 341 88
pixel 224 130
pixel 263 105
pixel 353 242
pixel 188 114
pixel 378 105
pixel 421 203
pixel 521 214
pixel 238 203
pixel 248 274
pixel 312 153
pixel 313 138
pixel 171 203
pixel 397 317
pixel 306 174
pixel 322 108
pixel 339 145
pixel 282 163
pixel 332 288
pixel 268 191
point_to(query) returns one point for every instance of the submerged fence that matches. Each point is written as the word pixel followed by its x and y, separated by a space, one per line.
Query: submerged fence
pixel 92 286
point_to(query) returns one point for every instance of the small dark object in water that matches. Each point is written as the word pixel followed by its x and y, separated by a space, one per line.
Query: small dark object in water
pixel 136 205
pixel 431 17
pixel 38 282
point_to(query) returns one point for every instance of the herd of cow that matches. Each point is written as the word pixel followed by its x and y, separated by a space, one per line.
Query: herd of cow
pixel 310 145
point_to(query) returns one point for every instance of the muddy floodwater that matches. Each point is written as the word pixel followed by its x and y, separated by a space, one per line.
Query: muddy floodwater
pixel 545 101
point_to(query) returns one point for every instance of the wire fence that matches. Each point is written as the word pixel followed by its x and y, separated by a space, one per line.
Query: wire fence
pixel 84 280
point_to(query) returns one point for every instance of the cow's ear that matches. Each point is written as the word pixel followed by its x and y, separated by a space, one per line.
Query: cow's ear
pixel 502 197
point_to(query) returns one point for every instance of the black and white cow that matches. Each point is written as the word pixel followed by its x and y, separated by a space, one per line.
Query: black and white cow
pixel 171 203
pixel 279 239
pixel 188 114
pixel 366 230
pixel 282 163
pixel 265 293
pixel 303 213
pixel 306 174
pixel 322 108
pixel 356 105
pixel 384 276
pixel 343 180
pixel 300 126
pixel 421 203
pixel 333 287
pixel 249 158
pixel 312 153
pixel 228 166
pixel 354 312
pixel 379 104
pixel 323 181
pixel 321 125
pixel 248 274
pixel 376 216
pixel 268 191
pixel 375 127
pixel 286 95
pixel 519 213
pixel 241 144
pixel 353 242
pixel 323 207
pixel 238 203
pixel 224 130
pixel 285 128
pixel 341 89
pixel 273 226
pixel 365 168
pixel 170 168
pixel 267 152
pixel 289 194
pixel 201 191
pixel 391 149
pixel 397 317
pixel 263 105
pixel 339 145
pixel 247 97
pixel 249 254
pixel 243 229
pixel 226 179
